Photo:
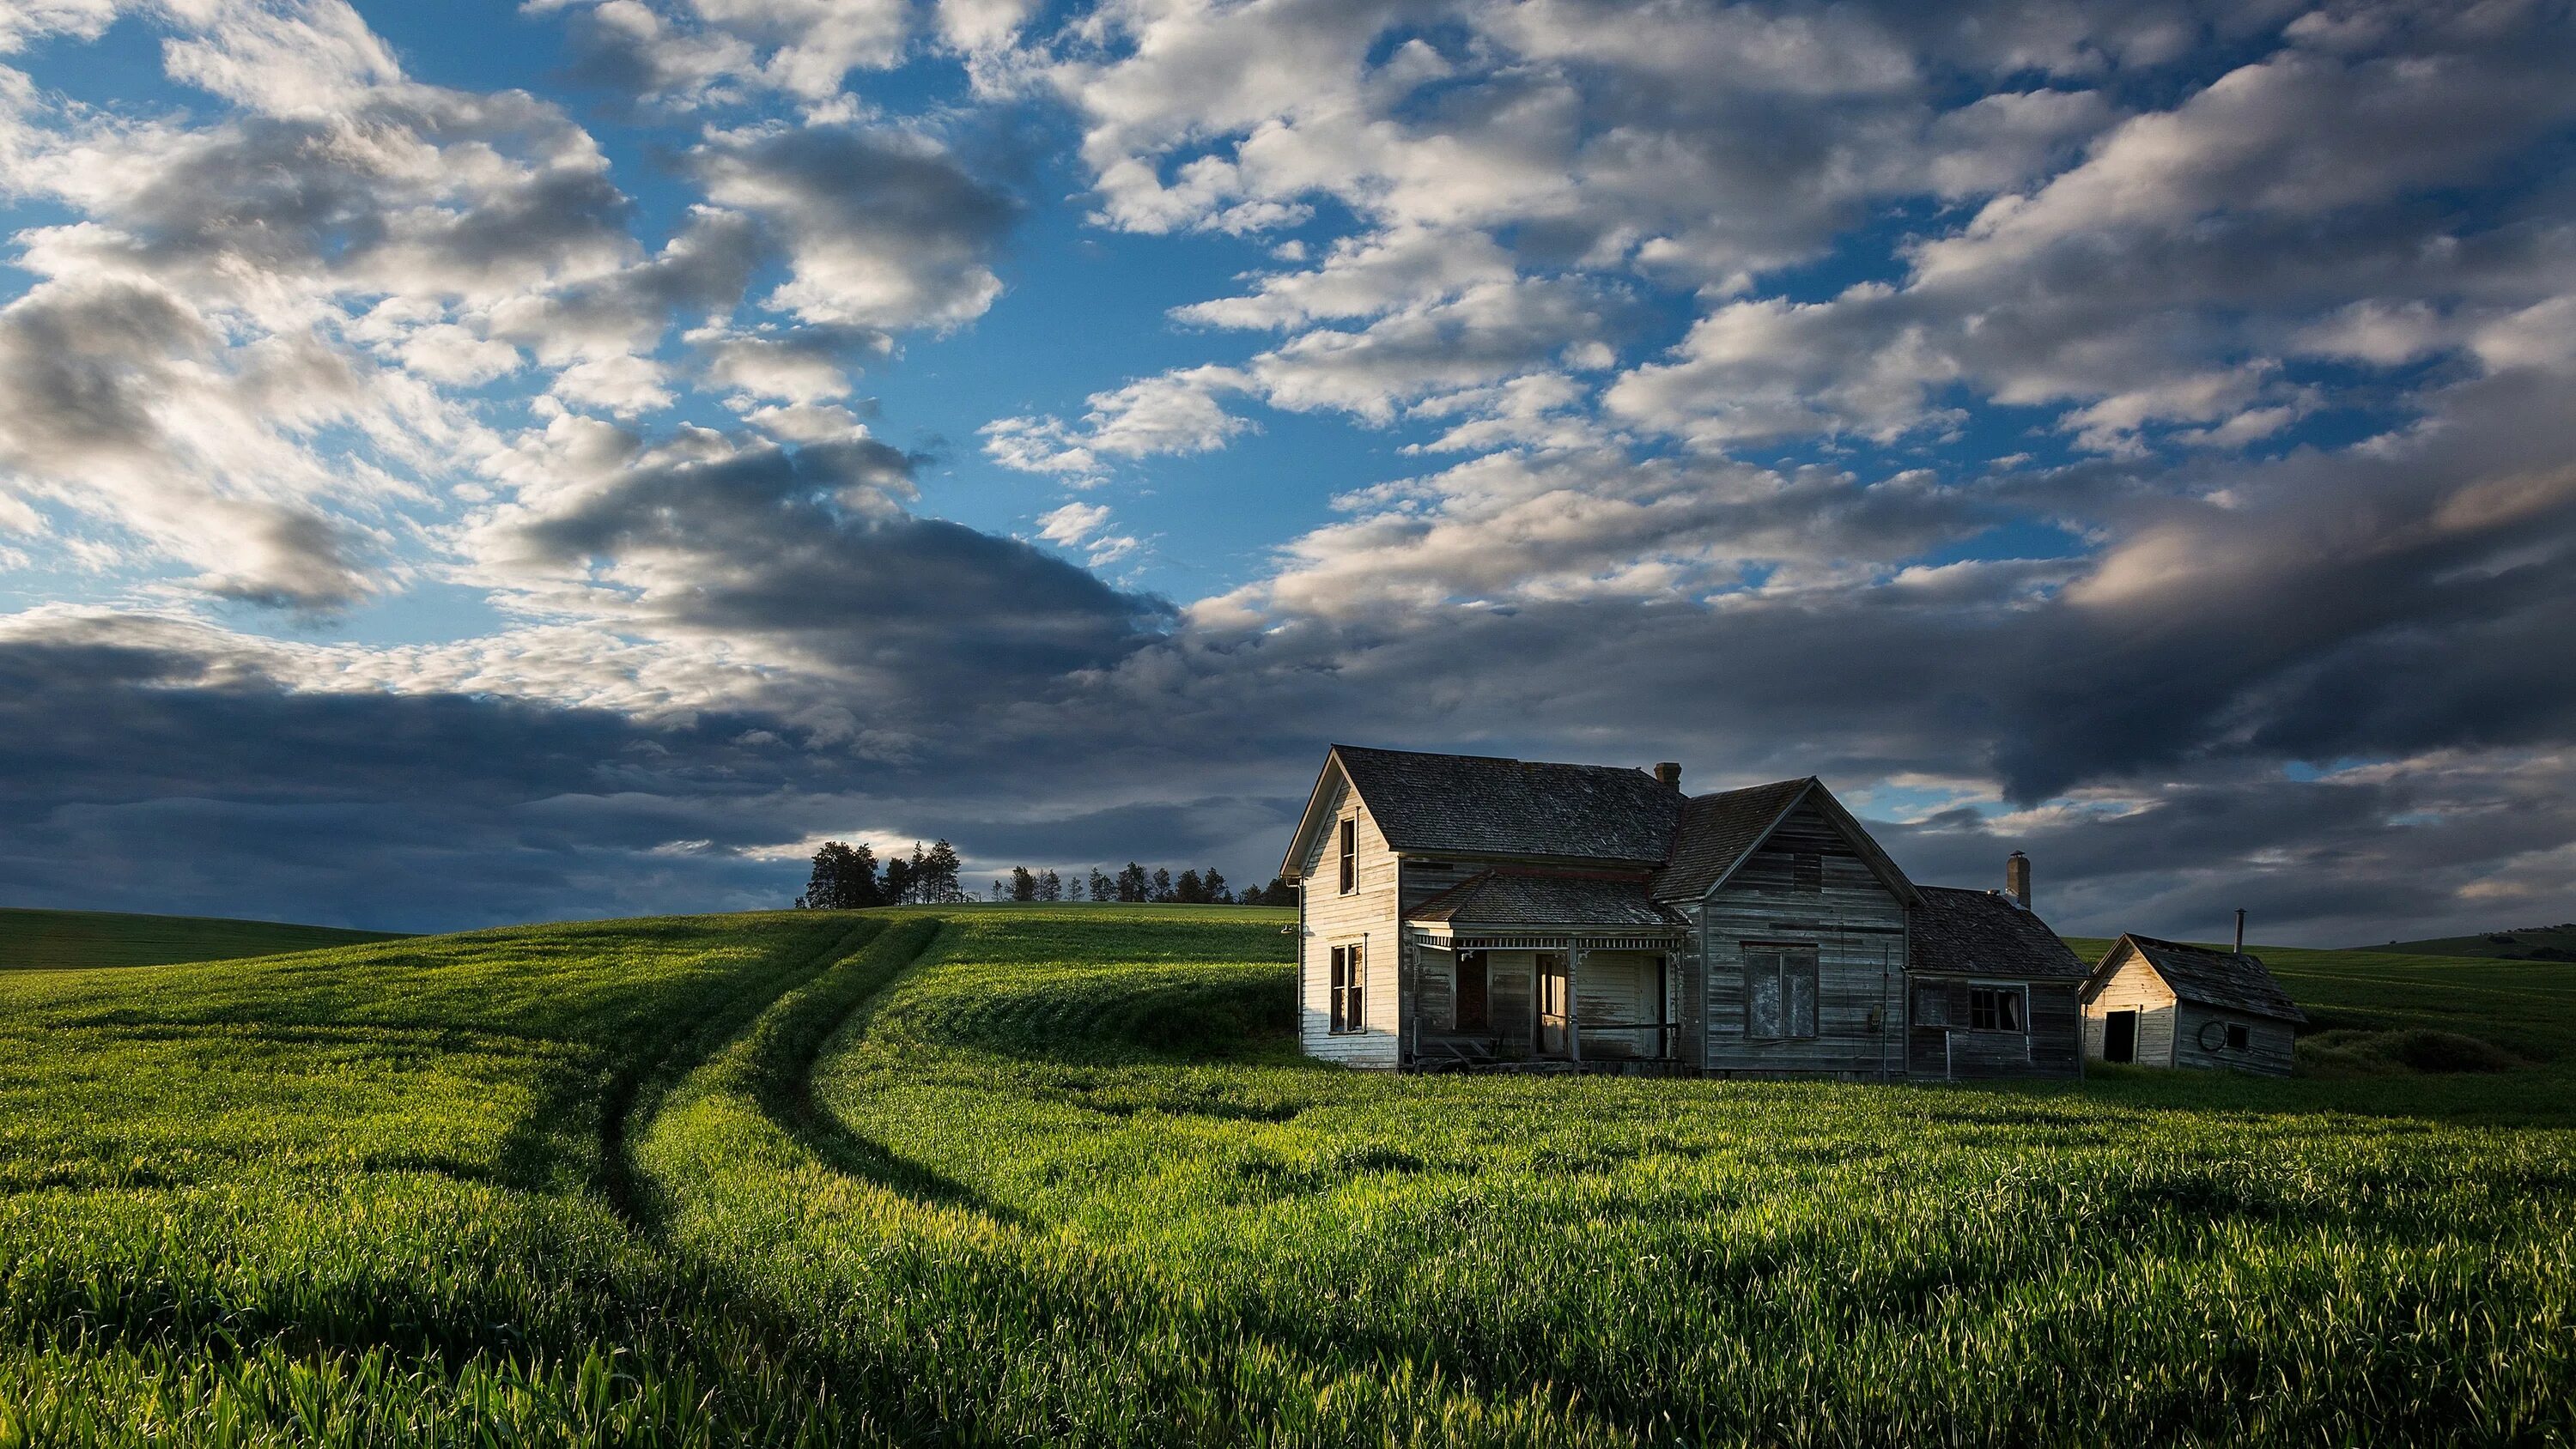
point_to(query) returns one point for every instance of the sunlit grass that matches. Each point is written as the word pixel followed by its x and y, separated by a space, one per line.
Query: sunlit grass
pixel 1027 1174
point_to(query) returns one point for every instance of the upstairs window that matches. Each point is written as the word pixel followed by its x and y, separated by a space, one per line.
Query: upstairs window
pixel 1780 992
pixel 1350 1009
pixel 1350 850
pixel 1807 872
pixel 1998 1008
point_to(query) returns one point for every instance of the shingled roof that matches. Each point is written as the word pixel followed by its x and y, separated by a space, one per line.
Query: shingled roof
pixel 1716 830
pixel 1954 932
pixel 2228 980
pixel 1517 898
pixel 1484 805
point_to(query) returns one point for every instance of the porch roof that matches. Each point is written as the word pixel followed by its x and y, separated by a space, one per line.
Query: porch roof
pixel 1526 899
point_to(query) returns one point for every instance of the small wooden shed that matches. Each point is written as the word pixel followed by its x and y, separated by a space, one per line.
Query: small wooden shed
pixel 2167 1004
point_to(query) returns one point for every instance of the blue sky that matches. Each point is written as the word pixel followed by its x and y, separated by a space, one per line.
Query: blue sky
pixel 467 462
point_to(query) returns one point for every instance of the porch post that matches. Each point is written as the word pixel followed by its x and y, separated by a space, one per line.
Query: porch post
pixel 1573 984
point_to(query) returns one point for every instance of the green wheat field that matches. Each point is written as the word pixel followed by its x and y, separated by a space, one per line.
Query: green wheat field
pixel 1055 1175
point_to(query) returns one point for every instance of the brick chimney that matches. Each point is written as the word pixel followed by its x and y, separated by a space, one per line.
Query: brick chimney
pixel 1669 774
pixel 2017 879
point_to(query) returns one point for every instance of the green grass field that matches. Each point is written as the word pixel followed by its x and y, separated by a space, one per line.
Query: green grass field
pixel 1030 1175
pixel 71 939
pixel 2528 942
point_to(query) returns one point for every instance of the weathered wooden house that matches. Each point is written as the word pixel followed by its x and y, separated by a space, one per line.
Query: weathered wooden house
pixel 2165 1004
pixel 1467 910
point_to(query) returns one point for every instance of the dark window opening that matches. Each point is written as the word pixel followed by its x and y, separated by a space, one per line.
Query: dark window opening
pixel 2237 1037
pixel 1806 871
pixel 1997 1008
pixel 1350 855
pixel 1350 1011
pixel 1780 992
pixel 1473 1011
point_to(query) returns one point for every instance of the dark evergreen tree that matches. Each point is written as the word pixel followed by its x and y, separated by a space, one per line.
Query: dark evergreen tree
pixel 844 879
pixel 1050 886
pixel 1162 889
pixel 1101 888
pixel 1188 891
pixel 934 875
pixel 1214 885
pixel 1024 886
pixel 897 887
pixel 1133 886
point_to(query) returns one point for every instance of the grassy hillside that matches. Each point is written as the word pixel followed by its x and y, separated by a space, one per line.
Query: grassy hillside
pixel 78 939
pixel 2530 943
pixel 1051 1175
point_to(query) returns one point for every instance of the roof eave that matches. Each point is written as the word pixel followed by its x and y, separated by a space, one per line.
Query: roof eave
pixel 1292 870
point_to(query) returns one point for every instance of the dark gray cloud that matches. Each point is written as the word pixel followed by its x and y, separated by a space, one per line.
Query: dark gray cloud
pixel 807 553
pixel 882 228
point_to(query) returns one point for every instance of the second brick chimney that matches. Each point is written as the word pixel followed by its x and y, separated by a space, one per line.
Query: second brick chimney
pixel 2017 879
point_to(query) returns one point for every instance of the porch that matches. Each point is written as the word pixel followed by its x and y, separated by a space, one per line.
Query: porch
pixel 1544 1001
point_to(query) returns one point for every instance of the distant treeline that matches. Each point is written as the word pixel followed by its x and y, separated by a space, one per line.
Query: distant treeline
pixel 849 878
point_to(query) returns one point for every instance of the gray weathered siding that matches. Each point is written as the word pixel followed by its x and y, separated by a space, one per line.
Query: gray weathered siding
pixel 1366 916
pixel 1858 929
pixel 2268 1046
pixel 2050 1048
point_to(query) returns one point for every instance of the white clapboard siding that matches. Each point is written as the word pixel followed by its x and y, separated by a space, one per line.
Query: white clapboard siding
pixel 1366 917
pixel 2133 986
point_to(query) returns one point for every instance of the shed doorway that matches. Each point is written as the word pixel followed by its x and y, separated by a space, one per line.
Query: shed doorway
pixel 2120 1036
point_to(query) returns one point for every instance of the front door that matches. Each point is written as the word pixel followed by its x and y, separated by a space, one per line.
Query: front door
pixel 1473 1012
pixel 1548 1002
pixel 2120 1037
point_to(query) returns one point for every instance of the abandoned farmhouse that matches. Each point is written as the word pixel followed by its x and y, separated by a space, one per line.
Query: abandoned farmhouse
pixel 1465 910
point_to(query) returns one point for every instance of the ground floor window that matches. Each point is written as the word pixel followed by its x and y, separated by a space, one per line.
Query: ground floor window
pixel 2237 1036
pixel 1998 1008
pixel 1780 991
pixel 1350 1012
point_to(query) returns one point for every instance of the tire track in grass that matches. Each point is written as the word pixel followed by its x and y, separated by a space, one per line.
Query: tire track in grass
pixel 914 1308
pixel 635 1091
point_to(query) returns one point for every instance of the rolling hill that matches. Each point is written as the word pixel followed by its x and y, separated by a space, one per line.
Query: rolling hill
pixel 2530 943
pixel 985 1175
pixel 60 940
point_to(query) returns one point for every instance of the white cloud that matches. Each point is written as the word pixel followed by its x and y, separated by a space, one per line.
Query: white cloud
pixel 1176 413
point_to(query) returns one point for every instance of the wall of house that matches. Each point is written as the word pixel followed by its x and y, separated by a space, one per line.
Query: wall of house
pixel 1618 986
pixel 1366 916
pixel 1940 1043
pixel 2268 1046
pixel 1858 929
pixel 2133 986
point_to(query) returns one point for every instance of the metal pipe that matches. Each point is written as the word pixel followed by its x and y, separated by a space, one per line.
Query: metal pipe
pixel 2240 930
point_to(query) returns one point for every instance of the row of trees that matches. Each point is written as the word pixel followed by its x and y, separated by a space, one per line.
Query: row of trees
pixel 1134 886
pixel 849 878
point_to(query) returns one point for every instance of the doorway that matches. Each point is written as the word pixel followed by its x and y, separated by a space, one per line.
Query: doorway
pixel 2120 1037
pixel 1549 1003
pixel 1472 1009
